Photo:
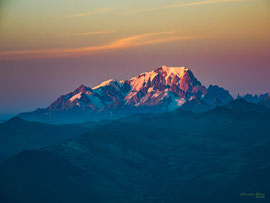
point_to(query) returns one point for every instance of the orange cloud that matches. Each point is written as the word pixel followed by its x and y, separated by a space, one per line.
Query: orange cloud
pixel 128 42
pixel 195 3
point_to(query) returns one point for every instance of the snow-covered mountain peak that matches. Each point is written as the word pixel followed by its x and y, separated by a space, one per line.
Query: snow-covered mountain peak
pixel 76 96
pixel 82 88
pixel 162 89
pixel 106 83
pixel 163 75
pixel 179 71
pixel 138 82
pixel 111 84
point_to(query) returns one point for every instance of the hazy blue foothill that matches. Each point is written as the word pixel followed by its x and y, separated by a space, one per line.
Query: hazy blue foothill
pixel 17 135
pixel 177 156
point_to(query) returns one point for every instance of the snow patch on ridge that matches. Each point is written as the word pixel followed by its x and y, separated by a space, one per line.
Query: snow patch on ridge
pixel 116 84
pixel 76 96
pixel 138 82
pixel 175 102
pixel 179 71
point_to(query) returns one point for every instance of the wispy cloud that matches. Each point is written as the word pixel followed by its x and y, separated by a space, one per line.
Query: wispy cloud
pixel 127 42
pixel 94 33
pixel 93 12
pixel 180 5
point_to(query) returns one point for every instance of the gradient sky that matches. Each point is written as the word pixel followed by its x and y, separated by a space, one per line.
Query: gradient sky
pixel 48 48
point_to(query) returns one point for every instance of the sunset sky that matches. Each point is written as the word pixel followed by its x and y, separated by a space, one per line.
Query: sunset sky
pixel 48 48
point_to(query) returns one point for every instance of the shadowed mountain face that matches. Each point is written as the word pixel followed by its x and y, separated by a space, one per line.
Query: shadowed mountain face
pixel 161 90
pixel 216 95
pixel 263 99
pixel 255 98
pixel 17 135
pixel 170 157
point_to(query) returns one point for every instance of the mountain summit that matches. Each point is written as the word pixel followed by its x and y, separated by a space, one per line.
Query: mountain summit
pixel 172 86
pixel 163 89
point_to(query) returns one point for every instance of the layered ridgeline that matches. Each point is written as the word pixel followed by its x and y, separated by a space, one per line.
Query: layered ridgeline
pixel 163 89
pixel 171 157
pixel 17 135
pixel 262 99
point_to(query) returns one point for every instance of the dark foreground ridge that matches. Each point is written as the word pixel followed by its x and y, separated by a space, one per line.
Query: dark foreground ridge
pixel 175 156
pixel 17 135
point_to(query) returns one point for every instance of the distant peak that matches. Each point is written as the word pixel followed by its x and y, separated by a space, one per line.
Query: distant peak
pixel 15 119
pixel 215 87
pixel 105 83
pixel 82 88
pixel 179 71
pixel 175 68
